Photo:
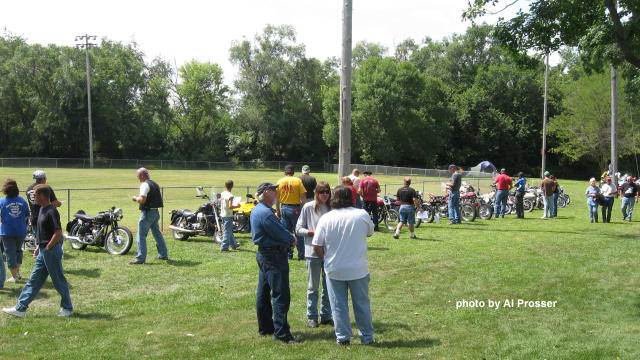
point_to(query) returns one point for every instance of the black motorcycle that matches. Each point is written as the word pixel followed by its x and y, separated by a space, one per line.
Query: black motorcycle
pixel 205 221
pixel 100 230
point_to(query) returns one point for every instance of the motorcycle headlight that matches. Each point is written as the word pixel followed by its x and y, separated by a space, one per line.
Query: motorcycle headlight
pixel 118 214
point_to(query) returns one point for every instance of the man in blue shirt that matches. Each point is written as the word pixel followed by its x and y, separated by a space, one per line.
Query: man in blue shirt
pixel 520 191
pixel 273 241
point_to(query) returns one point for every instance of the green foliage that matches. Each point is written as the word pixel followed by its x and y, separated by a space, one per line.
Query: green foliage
pixel 584 127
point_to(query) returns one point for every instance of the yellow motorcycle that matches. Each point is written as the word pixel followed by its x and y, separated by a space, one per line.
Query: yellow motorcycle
pixel 241 223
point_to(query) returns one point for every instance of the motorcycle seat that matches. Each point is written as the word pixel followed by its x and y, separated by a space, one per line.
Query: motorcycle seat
pixel 84 217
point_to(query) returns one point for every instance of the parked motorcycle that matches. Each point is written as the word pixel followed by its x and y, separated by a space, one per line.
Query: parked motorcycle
pixel 438 204
pixel 205 221
pixel 30 242
pixel 387 211
pixel 241 215
pixel 99 230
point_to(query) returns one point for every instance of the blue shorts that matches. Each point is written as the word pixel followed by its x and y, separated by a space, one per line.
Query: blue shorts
pixel 408 214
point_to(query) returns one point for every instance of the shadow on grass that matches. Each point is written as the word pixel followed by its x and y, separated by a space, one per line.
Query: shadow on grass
pixel 92 273
pixel 182 263
pixel 92 316
pixel 378 248
pixel 417 343
pixel 10 292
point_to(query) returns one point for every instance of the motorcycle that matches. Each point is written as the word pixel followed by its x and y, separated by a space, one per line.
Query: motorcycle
pixel 99 230
pixel 30 242
pixel 438 205
pixel 205 221
pixel 241 223
pixel 387 212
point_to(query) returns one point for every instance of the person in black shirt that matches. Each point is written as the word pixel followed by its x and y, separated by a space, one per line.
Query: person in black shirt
pixel 41 178
pixel 629 195
pixel 408 202
pixel 150 200
pixel 48 258
pixel 308 181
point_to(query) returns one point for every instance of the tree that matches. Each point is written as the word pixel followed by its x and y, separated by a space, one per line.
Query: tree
pixel 279 114
pixel 201 108
pixel 583 130
pixel 591 25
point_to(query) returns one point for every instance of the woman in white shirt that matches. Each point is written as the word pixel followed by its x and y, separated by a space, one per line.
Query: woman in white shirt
pixel 609 192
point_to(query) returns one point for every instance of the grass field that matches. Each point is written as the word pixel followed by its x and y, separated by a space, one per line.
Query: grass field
pixel 200 305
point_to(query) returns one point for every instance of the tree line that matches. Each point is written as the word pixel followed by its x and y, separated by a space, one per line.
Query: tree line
pixel 462 99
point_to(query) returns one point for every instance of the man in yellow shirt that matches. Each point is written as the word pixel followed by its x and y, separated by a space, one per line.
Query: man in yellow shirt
pixel 291 196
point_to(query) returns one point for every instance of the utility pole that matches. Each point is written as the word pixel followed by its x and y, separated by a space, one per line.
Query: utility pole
pixel 614 124
pixel 544 117
pixel 86 45
pixel 344 156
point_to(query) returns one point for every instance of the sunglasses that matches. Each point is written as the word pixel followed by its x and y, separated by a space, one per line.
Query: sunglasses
pixel 324 192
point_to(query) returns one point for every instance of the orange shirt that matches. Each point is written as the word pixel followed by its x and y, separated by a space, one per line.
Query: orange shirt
pixel 290 188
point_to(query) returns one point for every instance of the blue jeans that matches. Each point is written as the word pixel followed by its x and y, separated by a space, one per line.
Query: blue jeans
pixel 554 212
pixel 227 235
pixel 13 250
pixel 593 212
pixel 627 203
pixel 273 286
pixel 607 206
pixel 358 201
pixel 48 263
pixel 149 220
pixel 339 297
pixel 407 214
pixel 501 203
pixel 290 214
pixel 454 206
pixel 315 266
pixel 548 206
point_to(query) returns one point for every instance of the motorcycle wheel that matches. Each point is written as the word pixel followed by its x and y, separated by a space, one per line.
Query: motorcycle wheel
pixel 467 212
pixel 562 201
pixel 392 219
pixel 429 218
pixel 118 241
pixel 567 197
pixel 177 235
pixel 509 209
pixel 485 212
pixel 76 245
pixel 527 205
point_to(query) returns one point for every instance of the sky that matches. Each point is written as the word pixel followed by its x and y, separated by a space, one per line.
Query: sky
pixel 180 31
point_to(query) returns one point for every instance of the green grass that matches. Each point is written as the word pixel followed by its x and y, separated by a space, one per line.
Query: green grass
pixel 591 270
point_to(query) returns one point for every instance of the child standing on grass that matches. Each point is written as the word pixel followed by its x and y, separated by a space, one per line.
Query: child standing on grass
pixel 226 213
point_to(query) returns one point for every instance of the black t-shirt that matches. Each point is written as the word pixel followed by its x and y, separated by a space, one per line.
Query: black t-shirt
pixel 406 195
pixel 629 190
pixel 309 183
pixel 31 198
pixel 456 180
pixel 48 224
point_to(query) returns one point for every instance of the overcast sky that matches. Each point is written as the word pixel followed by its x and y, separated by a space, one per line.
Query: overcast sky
pixel 204 30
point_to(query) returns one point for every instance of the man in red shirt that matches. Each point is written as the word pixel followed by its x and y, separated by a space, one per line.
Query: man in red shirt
pixel 503 185
pixel 368 190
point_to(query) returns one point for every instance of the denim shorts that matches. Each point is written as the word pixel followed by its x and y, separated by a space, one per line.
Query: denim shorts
pixel 408 214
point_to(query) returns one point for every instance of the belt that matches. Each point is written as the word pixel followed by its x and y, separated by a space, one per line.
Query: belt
pixel 274 248
pixel 150 209
pixel 292 204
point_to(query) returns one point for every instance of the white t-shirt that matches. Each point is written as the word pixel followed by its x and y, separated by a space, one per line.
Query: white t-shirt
pixel 225 210
pixel 343 233
pixel 355 180
pixel 607 190
pixel 144 189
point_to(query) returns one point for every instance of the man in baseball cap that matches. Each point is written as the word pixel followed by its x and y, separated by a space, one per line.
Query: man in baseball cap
pixel 273 241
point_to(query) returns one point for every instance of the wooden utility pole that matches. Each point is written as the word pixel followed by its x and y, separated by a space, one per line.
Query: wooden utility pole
pixel 344 156
pixel 86 45
pixel 545 114
pixel 614 124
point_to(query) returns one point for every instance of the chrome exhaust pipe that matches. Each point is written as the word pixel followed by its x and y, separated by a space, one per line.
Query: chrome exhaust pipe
pixel 175 228
pixel 75 238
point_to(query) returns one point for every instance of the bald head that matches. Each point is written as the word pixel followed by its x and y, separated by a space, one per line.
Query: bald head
pixel 143 174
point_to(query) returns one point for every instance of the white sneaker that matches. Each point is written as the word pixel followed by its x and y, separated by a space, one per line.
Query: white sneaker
pixel 396 236
pixel 65 313
pixel 12 280
pixel 413 236
pixel 14 312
